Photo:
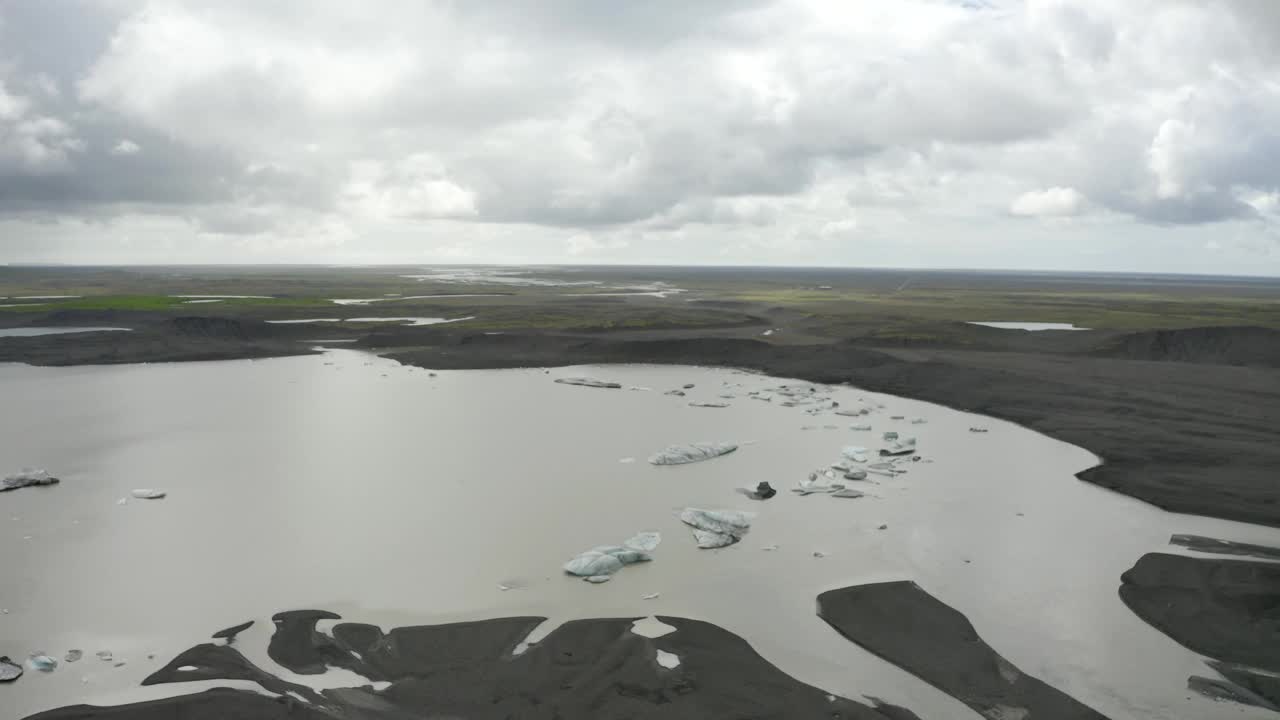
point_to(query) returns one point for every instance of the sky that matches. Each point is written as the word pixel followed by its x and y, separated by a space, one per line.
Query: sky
pixel 1096 135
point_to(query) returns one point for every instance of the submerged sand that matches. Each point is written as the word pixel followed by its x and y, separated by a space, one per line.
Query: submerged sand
pixel 393 497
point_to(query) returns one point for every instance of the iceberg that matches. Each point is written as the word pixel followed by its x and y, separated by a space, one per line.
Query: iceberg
pixel 695 452
pixel 716 528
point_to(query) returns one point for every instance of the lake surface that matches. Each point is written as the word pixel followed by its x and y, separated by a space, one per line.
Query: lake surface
pixel 34 331
pixel 1033 326
pixel 350 483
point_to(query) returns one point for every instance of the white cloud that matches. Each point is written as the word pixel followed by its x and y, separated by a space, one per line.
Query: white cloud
pixel 587 244
pixel 126 147
pixel 418 187
pixel 1052 202
pixel 839 228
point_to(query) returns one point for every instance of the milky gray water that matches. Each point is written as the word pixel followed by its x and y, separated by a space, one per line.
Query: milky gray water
pixel 349 483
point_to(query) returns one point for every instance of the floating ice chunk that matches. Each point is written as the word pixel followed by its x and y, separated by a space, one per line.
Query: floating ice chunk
pixel 148 494
pixel 606 560
pixel 905 446
pixel 9 670
pixel 42 662
pixel 817 483
pixel 27 477
pixel 73 655
pixel 709 404
pixel 645 541
pixel 696 452
pixel 717 528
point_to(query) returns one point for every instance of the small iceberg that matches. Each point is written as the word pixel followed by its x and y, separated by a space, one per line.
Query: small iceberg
pixel 27 477
pixel 905 446
pixel 696 452
pixel 599 563
pixel 148 494
pixel 716 528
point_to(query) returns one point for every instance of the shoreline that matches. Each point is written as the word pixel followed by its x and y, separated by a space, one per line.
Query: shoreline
pixel 1207 449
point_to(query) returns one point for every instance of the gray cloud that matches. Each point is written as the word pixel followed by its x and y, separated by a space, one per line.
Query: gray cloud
pixel 800 124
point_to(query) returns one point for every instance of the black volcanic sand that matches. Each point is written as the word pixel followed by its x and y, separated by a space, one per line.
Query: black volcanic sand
pixel 905 625
pixel 164 339
pixel 588 669
pixel 1239 684
pixel 1225 609
pixel 229 634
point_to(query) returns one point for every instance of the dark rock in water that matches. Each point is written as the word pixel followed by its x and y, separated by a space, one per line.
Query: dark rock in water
pixel 298 646
pixel 762 491
pixel 230 633
pixel 583 670
pixel 908 627
pixel 1225 609
pixel 1199 543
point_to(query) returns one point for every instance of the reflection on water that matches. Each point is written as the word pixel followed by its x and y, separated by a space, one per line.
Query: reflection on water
pixel 1029 325
pixel 392 496
pixel 33 331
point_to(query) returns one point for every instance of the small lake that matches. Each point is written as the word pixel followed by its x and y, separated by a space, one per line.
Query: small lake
pixel 1032 326
pixel 34 331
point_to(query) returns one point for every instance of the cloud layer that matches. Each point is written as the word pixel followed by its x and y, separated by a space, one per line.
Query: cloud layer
pixel 1081 134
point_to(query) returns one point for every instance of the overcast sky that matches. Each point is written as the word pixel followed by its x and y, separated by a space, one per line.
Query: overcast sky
pixel 1044 134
